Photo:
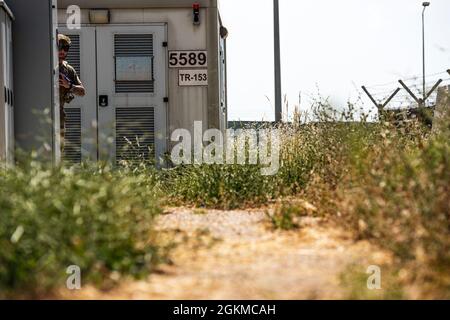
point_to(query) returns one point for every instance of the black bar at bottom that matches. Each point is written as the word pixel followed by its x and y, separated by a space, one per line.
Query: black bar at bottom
pixel 221 309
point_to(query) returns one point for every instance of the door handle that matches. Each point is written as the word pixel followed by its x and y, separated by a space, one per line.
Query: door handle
pixel 103 101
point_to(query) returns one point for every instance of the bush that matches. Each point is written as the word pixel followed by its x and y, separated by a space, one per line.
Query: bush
pixel 285 215
pixel 95 218
pixel 403 203
pixel 219 186
pixel 390 183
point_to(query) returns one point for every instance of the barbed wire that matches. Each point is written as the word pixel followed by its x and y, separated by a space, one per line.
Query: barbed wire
pixel 402 97
pixel 429 85
pixel 405 80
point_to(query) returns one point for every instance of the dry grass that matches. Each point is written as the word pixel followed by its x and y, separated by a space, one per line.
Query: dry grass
pixel 386 183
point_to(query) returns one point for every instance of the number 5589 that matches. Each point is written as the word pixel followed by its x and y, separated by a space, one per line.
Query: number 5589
pixel 180 59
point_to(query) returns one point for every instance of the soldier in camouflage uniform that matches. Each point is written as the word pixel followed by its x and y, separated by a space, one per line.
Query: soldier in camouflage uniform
pixel 70 84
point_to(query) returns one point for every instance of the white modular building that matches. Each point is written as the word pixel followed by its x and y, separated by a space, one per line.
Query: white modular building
pixel 149 67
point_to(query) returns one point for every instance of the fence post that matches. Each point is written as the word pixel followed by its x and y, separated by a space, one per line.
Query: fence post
pixel 442 112
pixel 425 117
pixel 380 106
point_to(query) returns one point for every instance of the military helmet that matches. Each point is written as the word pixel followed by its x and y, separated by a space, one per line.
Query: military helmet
pixel 64 40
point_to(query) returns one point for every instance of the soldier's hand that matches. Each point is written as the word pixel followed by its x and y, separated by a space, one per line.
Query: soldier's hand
pixel 64 83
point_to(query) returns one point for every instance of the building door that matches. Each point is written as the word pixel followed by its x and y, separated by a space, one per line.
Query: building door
pixel 81 114
pixel 123 116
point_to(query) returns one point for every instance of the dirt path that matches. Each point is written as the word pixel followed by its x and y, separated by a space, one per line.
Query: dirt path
pixel 237 255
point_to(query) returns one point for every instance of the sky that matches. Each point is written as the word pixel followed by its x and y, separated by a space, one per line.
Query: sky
pixel 332 47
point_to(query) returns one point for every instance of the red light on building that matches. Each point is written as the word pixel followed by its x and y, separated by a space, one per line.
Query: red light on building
pixel 196 9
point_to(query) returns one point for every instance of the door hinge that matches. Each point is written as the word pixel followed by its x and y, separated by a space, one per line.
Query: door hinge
pixel 166 99
pixel 165 44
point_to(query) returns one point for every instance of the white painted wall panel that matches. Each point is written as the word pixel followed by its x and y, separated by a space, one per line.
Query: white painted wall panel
pixel 186 104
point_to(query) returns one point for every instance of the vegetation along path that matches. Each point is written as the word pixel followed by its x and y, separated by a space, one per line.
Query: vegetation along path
pixel 238 255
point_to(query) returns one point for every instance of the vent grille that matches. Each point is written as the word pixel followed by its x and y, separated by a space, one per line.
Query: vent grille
pixel 135 134
pixel 134 86
pixel 72 140
pixel 73 56
pixel 134 45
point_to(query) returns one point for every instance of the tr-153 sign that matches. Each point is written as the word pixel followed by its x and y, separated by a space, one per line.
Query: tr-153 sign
pixel 194 77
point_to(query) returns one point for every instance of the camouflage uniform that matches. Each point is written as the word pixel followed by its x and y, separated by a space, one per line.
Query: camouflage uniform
pixel 65 95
